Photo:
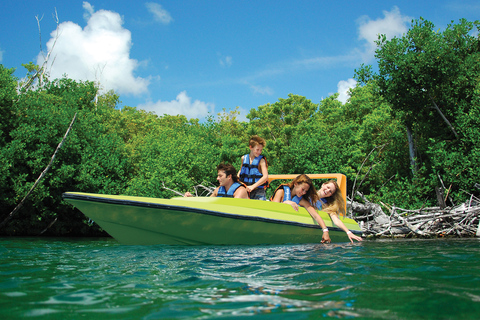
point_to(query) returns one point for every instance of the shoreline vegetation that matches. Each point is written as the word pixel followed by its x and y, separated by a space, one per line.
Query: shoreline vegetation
pixel 407 140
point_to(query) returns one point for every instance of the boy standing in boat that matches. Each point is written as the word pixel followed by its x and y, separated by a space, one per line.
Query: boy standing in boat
pixel 254 172
pixel 230 186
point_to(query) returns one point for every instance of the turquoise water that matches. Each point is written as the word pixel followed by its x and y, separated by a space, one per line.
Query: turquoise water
pixel 101 279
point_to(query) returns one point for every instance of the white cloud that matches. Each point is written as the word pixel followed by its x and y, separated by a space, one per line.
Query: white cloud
pixel 226 61
pixel 99 52
pixel 324 62
pixel 242 114
pixel 392 25
pixel 161 15
pixel 181 105
pixel 88 10
pixel 343 87
pixel 262 90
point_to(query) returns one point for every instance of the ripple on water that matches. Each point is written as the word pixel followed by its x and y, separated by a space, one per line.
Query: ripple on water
pixel 105 280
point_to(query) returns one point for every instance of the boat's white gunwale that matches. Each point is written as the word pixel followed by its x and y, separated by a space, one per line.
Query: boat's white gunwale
pixel 146 204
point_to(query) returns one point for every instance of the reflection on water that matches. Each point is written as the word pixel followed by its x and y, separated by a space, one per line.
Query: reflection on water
pixel 99 278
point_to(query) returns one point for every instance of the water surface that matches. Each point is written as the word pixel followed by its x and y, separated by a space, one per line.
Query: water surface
pixel 101 279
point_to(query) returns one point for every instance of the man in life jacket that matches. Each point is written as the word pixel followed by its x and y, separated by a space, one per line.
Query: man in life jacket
pixel 254 172
pixel 230 186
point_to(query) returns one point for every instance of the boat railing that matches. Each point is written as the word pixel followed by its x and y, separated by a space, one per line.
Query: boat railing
pixel 339 177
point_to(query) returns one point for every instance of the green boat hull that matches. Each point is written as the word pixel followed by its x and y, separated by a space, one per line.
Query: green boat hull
pixel 203 220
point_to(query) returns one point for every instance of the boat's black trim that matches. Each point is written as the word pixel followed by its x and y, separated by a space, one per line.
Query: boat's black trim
pixel 73 196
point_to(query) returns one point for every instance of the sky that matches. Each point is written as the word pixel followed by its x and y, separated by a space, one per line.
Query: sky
pixel 201 57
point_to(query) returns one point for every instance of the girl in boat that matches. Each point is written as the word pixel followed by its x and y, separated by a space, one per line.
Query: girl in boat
pixel 331 201
pixel 301 192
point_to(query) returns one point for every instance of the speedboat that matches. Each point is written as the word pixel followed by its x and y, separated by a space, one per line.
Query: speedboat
pixel 207 220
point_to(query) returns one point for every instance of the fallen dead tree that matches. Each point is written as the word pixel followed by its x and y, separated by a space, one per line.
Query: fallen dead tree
pixel 456 221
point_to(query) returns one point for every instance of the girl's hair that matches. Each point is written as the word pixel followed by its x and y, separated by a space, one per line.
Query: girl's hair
pixel 335 203
pixel 311 195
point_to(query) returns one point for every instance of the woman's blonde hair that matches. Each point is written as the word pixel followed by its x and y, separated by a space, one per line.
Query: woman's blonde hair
pixel 311 195
pixel 335 203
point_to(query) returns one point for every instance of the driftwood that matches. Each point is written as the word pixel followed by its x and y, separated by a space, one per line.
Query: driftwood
pixel 457 221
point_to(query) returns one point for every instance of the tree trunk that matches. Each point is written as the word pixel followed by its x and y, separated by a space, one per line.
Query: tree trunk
pixel 411 149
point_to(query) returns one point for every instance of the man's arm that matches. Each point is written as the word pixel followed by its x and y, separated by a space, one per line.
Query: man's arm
pixel 215 192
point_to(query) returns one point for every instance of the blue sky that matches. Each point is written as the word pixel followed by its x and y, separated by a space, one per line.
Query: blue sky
pixel 196 57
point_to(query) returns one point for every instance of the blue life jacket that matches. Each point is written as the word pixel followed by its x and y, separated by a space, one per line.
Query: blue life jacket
pixel 320 203
pixel 229 194
pixel 249 173
pixel 287 195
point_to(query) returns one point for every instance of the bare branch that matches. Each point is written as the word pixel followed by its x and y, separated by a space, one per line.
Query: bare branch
pixel 208 190
pixel 42 70
pixel 174 191
pixel 49 225
pixel 443 116
pixel 384 184
pixel 363 163
pixel 41 175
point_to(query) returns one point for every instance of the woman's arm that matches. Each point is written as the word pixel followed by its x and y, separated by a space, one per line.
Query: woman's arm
pixel 278 196
pixel 342 226
pixel 311 210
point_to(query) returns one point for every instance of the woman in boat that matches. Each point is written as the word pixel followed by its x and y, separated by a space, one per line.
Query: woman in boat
pixel 301 192
pixel 230 186
pixel 331 201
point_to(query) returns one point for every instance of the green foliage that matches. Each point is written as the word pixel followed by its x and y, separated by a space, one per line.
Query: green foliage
pixel 8 95
pixel 229 136
pixel 425 68
pixel 412 193
pixel 431 80
pixel 278 123
pixel 174 153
